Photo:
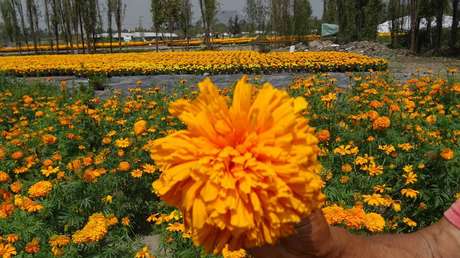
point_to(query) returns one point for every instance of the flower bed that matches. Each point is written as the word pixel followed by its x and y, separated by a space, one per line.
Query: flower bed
pixel 214 62
pixel 77 171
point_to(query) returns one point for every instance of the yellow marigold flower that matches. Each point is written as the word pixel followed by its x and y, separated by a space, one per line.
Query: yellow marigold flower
pixel 124 166
pixel 381 123
pixel 123 143
pixel 447 154
pixel 374 200
pixel 33 246
pixel 107 199
pixel 40 189
pixel 260 148
pixel 149 168
pixel 374 169
pixel 396 206
pixel 410 178
pixel 7 250
pixel 457 196
pixel 137 173
pixel 387 148
pixel 226 253
pixel 49 171
pixel 93 231
pixel 140 127
pixel 409 222
pixel 374 222
pixel 4 177
pixel 59 241
pixel 408 169
pixel 409 193
pixel 176 227
pixel 144 253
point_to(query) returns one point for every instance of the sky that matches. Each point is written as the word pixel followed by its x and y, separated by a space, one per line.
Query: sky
pixel 140 9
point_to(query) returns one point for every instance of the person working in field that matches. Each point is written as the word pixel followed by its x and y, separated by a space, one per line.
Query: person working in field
pixel 316 239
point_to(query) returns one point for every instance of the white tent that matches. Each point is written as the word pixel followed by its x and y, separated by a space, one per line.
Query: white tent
pixel 405 22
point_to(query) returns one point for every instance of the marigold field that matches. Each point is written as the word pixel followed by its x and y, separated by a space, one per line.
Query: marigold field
pixel 197 62
pixel 76 171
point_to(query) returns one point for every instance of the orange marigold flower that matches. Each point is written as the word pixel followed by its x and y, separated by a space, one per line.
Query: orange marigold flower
pixel 248 173
pixel 49 139
pixel 33 246
pixel 12 238
pixel 323 135
pixel 124 166
pixel 381 123
pixel 447 154
pixel 140 127
pixel 40 189
pixel 347 168
pixel 4 177
pixel 16 187
pixel 6 209
pixel 17 155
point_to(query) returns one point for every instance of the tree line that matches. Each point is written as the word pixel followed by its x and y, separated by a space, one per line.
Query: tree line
pixel 358 20
pixel 78 22
pixel 70 22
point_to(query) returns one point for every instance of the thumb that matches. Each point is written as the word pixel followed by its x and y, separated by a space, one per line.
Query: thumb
pixel 312 239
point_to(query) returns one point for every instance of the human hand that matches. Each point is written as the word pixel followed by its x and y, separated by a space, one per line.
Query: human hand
pixel 313 239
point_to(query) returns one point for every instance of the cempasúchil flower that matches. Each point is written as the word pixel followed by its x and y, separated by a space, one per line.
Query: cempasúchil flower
pixel 243 175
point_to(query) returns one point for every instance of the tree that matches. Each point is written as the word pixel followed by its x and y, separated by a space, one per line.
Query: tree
pixel 110 16
pixel 413 23
pixel 208 10
pixel 302 16
pixel 330 11
pixel 234 25
pixel 185 19
pixel 440 8
pixel 10 20
pixel 157 8
pixel 120 9
pixel 455 20
pixel 372 18
pixel 32 15
pixel 251 14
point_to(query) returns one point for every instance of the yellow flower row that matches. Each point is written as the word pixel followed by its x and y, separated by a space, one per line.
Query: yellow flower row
pixel 187 62
pixel 175 42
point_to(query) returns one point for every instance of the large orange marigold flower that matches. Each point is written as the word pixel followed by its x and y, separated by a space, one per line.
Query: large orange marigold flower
pixel 242 175
pixel 381 123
